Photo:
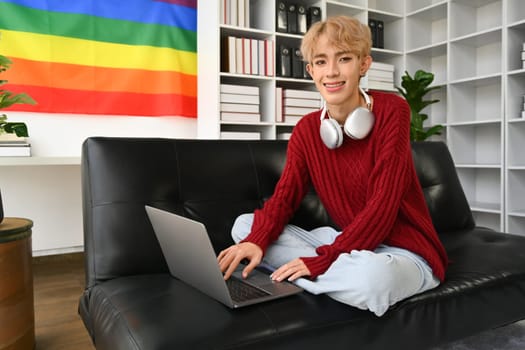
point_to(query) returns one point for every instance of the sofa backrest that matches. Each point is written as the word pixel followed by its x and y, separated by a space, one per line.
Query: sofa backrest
pixel 212 181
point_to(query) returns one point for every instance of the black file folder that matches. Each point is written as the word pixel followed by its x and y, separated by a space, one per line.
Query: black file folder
pixel 282 17
pixel 285 62
pixel 380 30
pixel 372 23
pixel 313 15
pixel 301 19
pixel 292 18
pixel 297 64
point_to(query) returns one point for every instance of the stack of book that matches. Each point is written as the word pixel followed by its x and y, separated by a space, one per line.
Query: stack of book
pixel 247 56
pixel 13 146
pixel 240 103
pixel 381 77
pixel 293 104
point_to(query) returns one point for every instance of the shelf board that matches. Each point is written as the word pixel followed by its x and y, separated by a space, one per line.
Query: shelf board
pixel 480 38
pixel 384 15
pixel 516 167
pixel 251 32
pixel 477 166
pixel 247 123
pixel 38 161
pixel 386 52
pixel 475 122
pixel 517 212
pixel 517 72
pixel 486 207
pixel 432 50
pixel 427 8
pixel 480 80
pixel 245 76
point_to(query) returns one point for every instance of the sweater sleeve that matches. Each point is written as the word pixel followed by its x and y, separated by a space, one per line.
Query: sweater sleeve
pixel 387 183
pixel 292 186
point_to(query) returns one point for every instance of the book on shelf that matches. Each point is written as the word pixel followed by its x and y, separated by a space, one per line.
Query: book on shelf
pixel 246 56
pixel 279 104
pixel 297 111
pixel 235 12
pixel 8 139
pixel 18 150
pixel 241 117
pixel 228 55
pixel 240 135
pixel 239 108
pixel 269 50
pixel 302 102
pixel 382 66
pixel 239 89
pixel 239 98
pixel 296 93
pixel 239 56
pixel 292 119
pixel 380 85
pixel 381 75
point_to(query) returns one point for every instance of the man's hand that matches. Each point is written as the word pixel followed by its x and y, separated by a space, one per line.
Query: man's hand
pixel 230 258
pixel 291 271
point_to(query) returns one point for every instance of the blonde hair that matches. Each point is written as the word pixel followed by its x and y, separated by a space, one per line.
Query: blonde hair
pixel 343 32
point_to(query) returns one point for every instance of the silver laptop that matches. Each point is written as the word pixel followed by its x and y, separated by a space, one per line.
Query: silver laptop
pixel 191 258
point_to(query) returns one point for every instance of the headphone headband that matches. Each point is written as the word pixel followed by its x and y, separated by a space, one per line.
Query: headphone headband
pixel 363 93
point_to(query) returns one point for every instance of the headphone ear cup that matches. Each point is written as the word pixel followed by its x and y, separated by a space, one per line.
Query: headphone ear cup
pixel 359 123
pixel 331 133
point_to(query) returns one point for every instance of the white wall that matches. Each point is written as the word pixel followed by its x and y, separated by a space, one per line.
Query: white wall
pixel 50 195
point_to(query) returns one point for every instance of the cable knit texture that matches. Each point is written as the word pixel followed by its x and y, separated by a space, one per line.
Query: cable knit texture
pixel 369 188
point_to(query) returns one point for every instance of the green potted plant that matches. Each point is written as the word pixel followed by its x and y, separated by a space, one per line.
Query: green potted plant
pixel 414 89
pixel 8 98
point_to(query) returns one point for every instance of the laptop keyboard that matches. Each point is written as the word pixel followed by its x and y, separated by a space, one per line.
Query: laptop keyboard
pixel 241 291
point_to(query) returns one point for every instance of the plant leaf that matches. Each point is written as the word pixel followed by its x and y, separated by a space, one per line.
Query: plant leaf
pixel 18 128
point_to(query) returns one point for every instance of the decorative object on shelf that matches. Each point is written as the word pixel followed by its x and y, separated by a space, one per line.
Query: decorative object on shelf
pixel 8 98
pixel 414 89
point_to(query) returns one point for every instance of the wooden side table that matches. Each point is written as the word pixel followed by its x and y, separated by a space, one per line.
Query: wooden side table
pixel 17 316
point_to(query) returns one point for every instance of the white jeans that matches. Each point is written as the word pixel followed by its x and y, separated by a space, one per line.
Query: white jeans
pixel 368 280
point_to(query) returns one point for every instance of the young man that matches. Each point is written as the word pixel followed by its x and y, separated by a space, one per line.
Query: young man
pixel 356 153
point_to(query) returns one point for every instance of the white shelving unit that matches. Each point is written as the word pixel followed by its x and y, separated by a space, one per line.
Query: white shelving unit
pixel 514 82
pixel 473 47
pixel 263 26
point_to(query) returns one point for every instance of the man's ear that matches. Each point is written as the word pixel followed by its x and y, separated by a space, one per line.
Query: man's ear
pixel 309 69
pixel 365 65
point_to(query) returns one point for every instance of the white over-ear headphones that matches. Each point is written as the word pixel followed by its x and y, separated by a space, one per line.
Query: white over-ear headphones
pixel 357 125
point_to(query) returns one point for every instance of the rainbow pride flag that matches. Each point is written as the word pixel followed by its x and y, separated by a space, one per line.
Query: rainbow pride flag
pixel 113 57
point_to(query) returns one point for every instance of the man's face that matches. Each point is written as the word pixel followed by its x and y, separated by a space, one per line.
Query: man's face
pixel 336 73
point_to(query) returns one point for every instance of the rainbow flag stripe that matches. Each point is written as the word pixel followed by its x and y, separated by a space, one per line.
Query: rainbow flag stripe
pixel 137 57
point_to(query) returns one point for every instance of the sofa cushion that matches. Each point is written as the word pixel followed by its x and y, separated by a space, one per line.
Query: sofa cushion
pixel 444 195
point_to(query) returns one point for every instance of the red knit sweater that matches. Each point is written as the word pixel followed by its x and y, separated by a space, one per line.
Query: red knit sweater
pixel 369 188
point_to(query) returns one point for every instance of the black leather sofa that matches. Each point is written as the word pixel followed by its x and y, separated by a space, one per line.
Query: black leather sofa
pixel 131 302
